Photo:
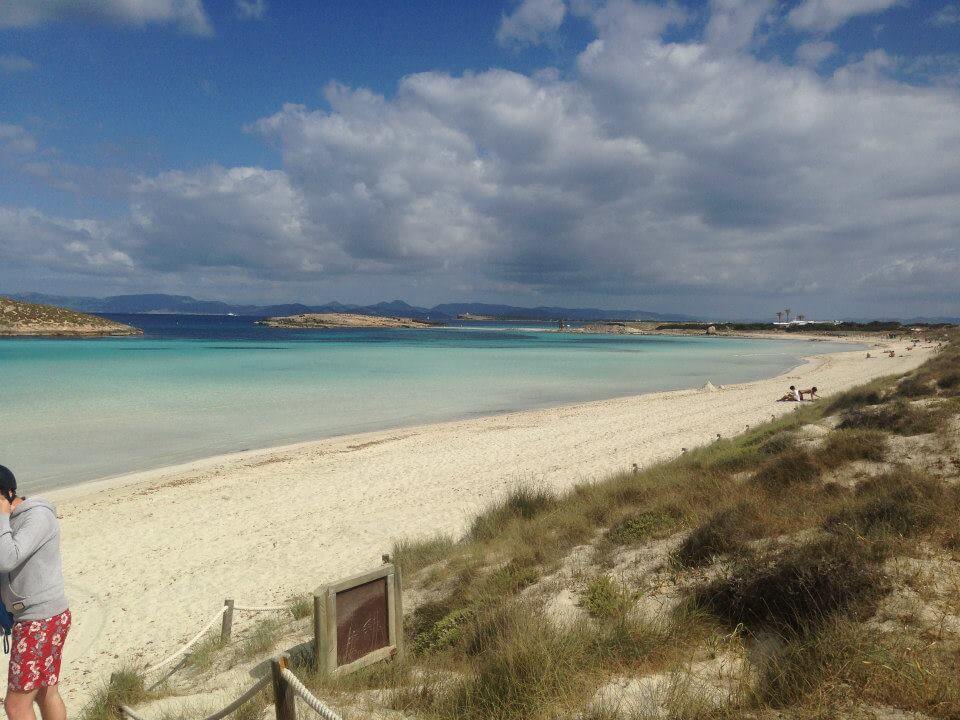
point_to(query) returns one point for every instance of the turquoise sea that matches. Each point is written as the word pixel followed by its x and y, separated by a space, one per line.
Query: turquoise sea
pixel 75 410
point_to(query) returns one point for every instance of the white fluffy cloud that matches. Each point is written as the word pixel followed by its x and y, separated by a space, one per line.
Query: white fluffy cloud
pixel 240 217
pixel 30 239
pixel 733 22
pixel 688 171
pixel 188 15
pixel 815 52
pixel 827 15
pixel 532 21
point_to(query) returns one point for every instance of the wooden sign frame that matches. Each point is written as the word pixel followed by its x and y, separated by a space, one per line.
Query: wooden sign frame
pixel 325 621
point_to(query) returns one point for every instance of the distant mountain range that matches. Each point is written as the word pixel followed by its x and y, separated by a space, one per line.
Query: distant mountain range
pixel 185 305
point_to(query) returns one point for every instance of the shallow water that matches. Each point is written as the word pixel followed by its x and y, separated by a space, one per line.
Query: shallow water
pixel 75 410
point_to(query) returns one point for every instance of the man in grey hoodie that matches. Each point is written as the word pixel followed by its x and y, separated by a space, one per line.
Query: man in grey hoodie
pixel 31 585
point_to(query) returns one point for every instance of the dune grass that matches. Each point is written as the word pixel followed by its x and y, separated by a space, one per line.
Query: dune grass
pixel 412 555
pixel 898 417
pixel 794 589
pixel 125 687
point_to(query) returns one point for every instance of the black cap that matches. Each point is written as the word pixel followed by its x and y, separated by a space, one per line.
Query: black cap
pixel 8 481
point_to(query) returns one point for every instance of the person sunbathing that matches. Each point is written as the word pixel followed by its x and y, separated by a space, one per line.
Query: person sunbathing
pixel 792 396
pixel 811 392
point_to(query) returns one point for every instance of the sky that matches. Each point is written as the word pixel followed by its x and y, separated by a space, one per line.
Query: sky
pixel 720 157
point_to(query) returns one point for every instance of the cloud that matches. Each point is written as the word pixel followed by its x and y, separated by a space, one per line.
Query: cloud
pixel 31 239
pixel 947 16
pixel 827 15
pixel 251 9
pixel 11 64
pixel 15 141
pixel 733 22
pixel 187 15
pixel 533 21
pixel 681 170
pixel 814 53
pixel 249 218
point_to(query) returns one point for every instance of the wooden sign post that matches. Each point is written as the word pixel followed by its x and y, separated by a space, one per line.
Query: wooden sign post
pixel 358 621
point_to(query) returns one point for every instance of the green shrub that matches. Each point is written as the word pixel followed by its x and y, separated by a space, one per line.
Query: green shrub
pixel 445 633
pixel 605 599
pixel 641 526
pixel 727 530
pixel 796 588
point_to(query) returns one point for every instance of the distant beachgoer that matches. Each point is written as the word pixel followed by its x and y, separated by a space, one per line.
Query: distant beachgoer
pixel 792 396
pixel 31 585
pixel 812 392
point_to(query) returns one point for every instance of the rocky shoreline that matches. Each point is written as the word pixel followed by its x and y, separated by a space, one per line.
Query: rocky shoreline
pixel 20 319
pixel 325 321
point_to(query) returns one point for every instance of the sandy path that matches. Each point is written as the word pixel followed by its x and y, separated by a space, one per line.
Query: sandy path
pixel 150 556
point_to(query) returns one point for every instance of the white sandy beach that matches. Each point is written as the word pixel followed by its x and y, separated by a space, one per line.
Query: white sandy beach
pixel 148 557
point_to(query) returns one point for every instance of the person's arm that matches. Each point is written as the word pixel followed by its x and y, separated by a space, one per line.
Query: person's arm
pixel 15 549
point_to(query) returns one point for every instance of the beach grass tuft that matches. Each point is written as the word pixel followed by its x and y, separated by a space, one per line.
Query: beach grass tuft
pixel 794 466
pixel 845 445
pixel 412 555
pixel 125 687
pixel 522 503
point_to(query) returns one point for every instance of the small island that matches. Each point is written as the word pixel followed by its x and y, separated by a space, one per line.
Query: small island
pixel 21 319
pixel 329 321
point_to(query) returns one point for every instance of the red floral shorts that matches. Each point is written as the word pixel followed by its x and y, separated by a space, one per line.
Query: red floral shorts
pixel 36 651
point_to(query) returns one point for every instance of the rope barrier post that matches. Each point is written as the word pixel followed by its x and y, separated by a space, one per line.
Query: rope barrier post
pixel 283 697
pixel 227 627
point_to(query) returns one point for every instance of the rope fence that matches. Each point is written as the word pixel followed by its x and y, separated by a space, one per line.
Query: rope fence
pixel 190 643
pixel 312 701
pixel 286 687
pixel 225 616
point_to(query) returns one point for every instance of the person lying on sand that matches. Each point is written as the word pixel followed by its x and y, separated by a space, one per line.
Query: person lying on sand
pixel 792 396
pixel 810 392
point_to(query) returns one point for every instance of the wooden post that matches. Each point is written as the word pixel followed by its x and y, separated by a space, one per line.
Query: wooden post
pixel 283 696
pixel 319 634
pixel 227 627
pixel 398 610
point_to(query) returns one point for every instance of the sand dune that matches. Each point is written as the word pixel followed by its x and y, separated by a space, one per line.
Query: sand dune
pixel 150 556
